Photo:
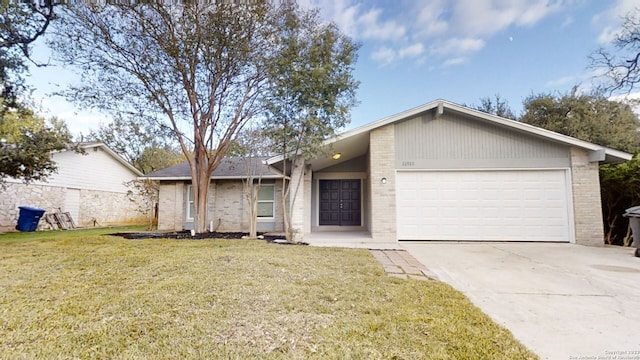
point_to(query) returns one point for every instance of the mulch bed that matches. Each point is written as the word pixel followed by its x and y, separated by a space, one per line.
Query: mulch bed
pixel 186 234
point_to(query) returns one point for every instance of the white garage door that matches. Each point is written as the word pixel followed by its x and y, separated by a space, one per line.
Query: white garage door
pixel 483 205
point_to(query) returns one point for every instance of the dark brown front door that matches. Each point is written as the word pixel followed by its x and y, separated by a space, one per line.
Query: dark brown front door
pixel 340 202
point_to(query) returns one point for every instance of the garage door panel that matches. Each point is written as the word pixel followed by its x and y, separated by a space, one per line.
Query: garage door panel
pixel 483 205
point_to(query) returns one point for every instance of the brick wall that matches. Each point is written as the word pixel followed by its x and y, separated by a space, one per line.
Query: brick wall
pixel 106 207
pixel 383 196
pixel 297 202
pixel 227 206
pixel 171 206
pixel 587 206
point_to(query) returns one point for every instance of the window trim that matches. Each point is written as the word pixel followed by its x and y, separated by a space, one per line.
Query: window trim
pixel 273 202
pixel 189 200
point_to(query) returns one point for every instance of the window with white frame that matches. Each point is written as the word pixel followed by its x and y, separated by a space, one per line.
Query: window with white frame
pixel 191 210
pixel 266 201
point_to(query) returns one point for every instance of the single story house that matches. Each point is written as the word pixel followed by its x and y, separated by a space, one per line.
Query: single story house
pixel 228 206
pixel 90 186
pixel 440 171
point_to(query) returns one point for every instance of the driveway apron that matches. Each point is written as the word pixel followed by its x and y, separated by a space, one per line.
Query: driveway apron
pixel 563 301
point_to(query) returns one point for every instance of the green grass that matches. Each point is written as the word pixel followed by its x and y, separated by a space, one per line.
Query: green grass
pixel 84 295
pixel 21 237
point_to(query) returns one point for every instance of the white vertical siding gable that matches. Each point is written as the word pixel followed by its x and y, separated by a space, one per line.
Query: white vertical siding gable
pixel 94 170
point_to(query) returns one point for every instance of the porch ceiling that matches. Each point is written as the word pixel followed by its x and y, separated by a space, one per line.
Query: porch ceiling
pixel 349 148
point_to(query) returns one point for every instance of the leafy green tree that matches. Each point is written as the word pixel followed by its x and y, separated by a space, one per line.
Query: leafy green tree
pixel 144 146
pixel 26 140
pixel 21 23
pixel 495 106
pixel 26 144
pixel 310 93
pixel 620 187
pixel 195 68
pixel 590 117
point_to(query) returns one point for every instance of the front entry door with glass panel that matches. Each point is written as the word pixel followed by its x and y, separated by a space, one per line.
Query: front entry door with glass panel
pixel 340 202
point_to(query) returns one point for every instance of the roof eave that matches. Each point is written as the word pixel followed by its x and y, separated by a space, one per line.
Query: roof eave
pixel 188 178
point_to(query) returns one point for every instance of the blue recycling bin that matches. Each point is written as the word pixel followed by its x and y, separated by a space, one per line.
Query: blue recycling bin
pixel 29 218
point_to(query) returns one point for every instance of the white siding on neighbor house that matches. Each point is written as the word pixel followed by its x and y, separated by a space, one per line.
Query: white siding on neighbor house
pixel 94 170
pixel 72 203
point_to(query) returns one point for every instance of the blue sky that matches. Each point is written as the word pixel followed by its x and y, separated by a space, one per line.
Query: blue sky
pixel 414 52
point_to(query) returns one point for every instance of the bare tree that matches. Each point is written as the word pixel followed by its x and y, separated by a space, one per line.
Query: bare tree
pixel 621 63
pixel 194 68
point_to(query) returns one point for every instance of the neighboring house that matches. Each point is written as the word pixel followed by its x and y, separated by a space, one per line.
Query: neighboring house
pixel 90 186
pixel 440 171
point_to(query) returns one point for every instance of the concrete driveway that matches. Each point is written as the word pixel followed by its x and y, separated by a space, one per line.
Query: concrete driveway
pixel 562 301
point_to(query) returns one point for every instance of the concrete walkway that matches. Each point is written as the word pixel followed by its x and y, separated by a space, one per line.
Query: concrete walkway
pixel 399 263
pixel 563 301
pixel 348 239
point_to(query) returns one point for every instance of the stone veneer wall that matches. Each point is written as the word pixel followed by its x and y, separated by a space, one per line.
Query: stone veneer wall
pixel 107 208
pixel 383 196
pixel 587 205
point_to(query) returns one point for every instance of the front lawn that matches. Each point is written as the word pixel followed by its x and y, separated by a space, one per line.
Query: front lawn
pixel 86 295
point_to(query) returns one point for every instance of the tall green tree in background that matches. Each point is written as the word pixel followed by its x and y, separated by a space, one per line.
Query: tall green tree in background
pixel 146 147
pixel 21 23
pixel 26 144
pixel 26 140
pixel 589 117
pixel 495 106
pixel 596 119
pixel 311 91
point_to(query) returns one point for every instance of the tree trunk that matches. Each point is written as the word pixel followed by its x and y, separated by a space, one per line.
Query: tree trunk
pixel 200 184
pixel 253 192
pixel 253 219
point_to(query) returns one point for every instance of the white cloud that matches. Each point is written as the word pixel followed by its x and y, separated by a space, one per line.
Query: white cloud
pixel 567 21
pixel 341 12
pixel 447 27
pixel 455 61
pixel 611 20
pixel 384 55
pixel 561 81
pixel 532 13
pixel 457 46
pixel 78 121
pixel 374 28
pixel 432 19
pixel 412 51
pixel 487 17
